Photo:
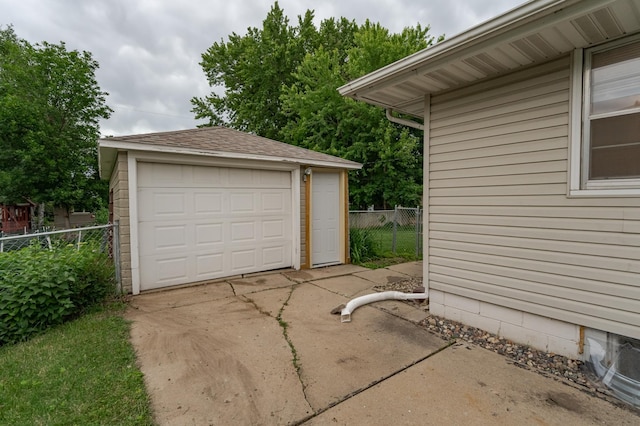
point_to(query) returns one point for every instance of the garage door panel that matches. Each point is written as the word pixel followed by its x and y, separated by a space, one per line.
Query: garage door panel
pixel 170 237
pixel 242 178
pixel 273 202
pixel 163 237
pixel 269 179
pixel 208 176
pixel 209 265
pixel 161 204
pixel 171 270
pixel 242 232
pixel 274 256
pixel 169 204
pixel 273 229
pixel 242 202
pixel 209 233
pixel 159 175
pixel 208 202
pixel 243 260
pixel 210 222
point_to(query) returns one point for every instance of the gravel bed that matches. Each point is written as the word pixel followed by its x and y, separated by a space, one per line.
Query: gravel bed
pixel 559 367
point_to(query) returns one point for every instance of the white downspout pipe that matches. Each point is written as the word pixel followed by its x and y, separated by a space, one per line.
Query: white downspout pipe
pixel 345 314
pixel 403 121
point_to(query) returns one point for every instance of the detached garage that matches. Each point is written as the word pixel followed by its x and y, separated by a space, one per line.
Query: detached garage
pixel 202 204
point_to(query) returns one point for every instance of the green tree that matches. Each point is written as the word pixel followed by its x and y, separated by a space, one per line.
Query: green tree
pixel 50 107
pixel 252 69
pixel 281 82
pixel 321 119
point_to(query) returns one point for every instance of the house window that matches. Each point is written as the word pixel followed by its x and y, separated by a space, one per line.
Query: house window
pixel 611 116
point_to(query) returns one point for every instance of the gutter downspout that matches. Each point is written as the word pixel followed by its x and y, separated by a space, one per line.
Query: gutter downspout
pixel 345 314
pixel 402 121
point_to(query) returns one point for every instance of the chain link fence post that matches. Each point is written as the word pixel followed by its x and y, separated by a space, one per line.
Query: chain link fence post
pixel 418 221
pixel 394 238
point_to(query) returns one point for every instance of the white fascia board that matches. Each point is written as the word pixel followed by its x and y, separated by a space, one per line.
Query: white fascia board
pixel 533 12
pixel 106 162
pixel 128 146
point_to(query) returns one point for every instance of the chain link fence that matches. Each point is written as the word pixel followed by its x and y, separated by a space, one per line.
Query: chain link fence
pixel 397 231
pixel 97 239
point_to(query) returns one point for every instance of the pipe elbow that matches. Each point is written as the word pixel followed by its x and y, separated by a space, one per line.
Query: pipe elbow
pixel 345 314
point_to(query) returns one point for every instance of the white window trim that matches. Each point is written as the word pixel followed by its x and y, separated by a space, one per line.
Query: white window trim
pixel 579 185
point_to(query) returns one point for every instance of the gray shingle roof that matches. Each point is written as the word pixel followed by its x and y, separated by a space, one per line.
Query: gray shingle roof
pixel 226 140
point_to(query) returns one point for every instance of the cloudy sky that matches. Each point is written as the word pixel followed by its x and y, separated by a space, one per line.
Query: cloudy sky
pixel 149 50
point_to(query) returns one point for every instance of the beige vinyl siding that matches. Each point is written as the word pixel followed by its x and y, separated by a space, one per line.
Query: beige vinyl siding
pixel 120 184
pixel 501 227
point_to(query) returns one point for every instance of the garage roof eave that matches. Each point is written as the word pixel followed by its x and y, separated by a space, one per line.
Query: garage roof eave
pixel 108 146
pixel 106 161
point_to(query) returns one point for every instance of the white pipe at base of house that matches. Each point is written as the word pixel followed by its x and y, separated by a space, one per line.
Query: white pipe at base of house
pixel 345 314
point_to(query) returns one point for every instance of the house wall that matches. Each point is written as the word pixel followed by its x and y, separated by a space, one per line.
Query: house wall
pixel 76 219
pixel 509 251
pixel 119 183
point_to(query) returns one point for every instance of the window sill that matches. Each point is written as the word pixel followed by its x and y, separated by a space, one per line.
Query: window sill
pixel 602 192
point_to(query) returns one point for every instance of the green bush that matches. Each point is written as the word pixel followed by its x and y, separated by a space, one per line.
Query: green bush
pixel 40 288
pixel 102 216
pixel 362 245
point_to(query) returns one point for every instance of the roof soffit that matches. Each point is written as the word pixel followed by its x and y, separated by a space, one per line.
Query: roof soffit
pixel 537 32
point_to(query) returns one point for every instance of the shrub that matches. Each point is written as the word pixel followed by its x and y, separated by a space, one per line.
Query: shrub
pixel 362 245
pixel 40 288
pixel 102 216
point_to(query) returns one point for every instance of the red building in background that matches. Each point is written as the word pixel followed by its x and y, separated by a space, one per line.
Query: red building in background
pixel 14 219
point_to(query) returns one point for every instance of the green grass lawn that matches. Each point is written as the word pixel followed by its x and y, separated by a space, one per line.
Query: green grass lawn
pixel 405 241
pixel 79 373
pixel 373 247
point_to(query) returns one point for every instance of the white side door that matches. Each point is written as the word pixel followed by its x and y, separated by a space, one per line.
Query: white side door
pixel 325 218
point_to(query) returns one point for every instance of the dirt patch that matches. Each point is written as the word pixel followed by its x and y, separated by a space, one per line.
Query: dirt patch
pixel 564 400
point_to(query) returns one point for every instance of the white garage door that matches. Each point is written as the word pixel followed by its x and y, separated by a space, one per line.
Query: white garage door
pixel 197 223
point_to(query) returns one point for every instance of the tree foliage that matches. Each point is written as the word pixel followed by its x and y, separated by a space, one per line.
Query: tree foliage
pixel 50 106
pixel 253 68
pixel 280 81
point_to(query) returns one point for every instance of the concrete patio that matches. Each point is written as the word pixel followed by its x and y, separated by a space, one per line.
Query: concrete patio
pixel 265 350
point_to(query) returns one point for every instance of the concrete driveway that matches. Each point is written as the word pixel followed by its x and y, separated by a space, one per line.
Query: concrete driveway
pixel 265 350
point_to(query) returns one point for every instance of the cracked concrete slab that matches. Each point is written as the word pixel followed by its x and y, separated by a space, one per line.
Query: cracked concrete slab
pixel 338 358
pixel 217 362
pixel 174 298
pixel 410 312
pixel 465 385
pixel 259 283
pixel 347 286
pixel 413 269
pixel 327 272
pixel 214 356
pixel 270 301
pixel 382 276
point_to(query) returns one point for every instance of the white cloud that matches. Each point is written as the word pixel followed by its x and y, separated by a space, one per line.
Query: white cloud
pixel 149 50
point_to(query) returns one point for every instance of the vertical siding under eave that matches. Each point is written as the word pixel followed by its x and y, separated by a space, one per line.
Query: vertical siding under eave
pixel 501 228
pixel 120 184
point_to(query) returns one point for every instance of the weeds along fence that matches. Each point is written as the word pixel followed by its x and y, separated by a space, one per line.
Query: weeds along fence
pixel 397 231
pixel 100 238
